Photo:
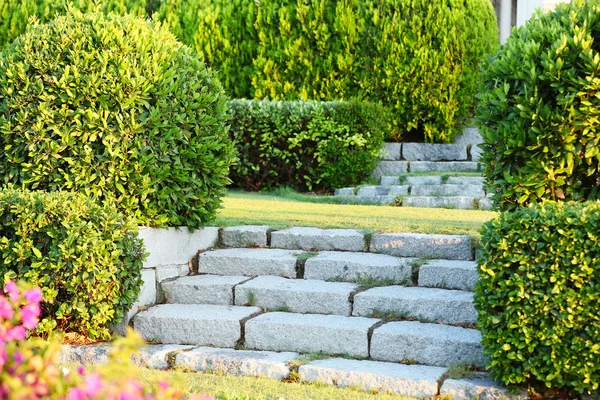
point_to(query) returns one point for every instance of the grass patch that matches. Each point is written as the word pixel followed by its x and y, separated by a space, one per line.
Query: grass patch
pixel 462 371
pixel 368 281
pixel 303 257
pixel 241 208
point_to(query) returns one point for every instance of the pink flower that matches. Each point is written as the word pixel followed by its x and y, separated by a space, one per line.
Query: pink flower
pixel 76 394
pixel 162 385
pixel 81 370
pixel 12 290
pixel 6 309
pixel 92 385
pixel 16 333
pixel 18 358
pixel 29 315
pixel 33 295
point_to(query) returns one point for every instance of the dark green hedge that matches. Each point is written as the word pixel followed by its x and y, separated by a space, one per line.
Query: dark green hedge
pixel 305 145
pixel 85 257
pixel 539 110
pixel 115 107
pixel 538 296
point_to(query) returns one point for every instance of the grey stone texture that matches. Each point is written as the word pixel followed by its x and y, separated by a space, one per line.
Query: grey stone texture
pixel 390 180
pixel 387 168
pixel 434 152
pixel 297 295
pixel 244 236
pixel 237 362
pixel 372 191
pixel 391 151
pixel 310 333
pixel 348 266
pixel 448 190
pixel 85 354
pixel 449 274
pixel 452 202
pixel 171 271
pixel 449 247
pixel 318 239
pixel 377 200
pixel 406 380
pixel 424 180
pixel 479 389
pixel 476 152
pixel 202 289
pixel 429 344
pixel 486 204
pixel 249 262
pixel 465 180
pixel 175 245
pixel 204 325
pixel 147 297
pixel 425 304
pixel 345 192
pixel 449 166
pixel 155 355
pixel 470 135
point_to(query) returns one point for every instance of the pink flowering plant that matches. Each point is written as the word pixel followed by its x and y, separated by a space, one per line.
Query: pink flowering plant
pixel 29 365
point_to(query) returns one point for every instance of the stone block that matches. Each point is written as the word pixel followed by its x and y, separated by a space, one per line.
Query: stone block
pixel 406 380
pixel 448 190
pixel 203 325
pixel 429 344
pixel 449 274
pixel 345 192
pixel 391 151
pixel 347 266
pixel 244 236
pixel 249 262
pixel 387 168
pixel 390 181
pixel 369 200
pixel 372 191
pixel 451 202
pixel 476 153
pixel 85 354
pixel 425 304
pixel 465 180
pixel 424 180
pixel 237 362
pixel 470 135
pixel 447 166
pixel 296 295
pixel 318 239
pixel 434 152
pixel 171 271
pixel 155 355
pixel 310 333
pixel 449 247
pixel 480 389
pixel 176 245
pixel 486 203
pixel 202 289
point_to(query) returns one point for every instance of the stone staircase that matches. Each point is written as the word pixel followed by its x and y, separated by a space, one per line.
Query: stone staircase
pixel 387 312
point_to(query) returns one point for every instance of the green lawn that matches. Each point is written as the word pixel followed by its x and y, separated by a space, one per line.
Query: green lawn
pixel 241 208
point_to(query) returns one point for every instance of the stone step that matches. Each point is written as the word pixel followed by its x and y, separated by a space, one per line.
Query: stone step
pixel 310 333
pixel 449 274
pixel 249 262
pixel 423 180
pixel 368 200
pixel 245 236
pixel 373 191
pixel 465 180
pixel 434 152
pixel 389 168
pixel 202 289
pixel 446 166
pixel 447 247
pixel 483 388
pixel 204 325
pixel 425 304
pixel 389 181
pixel 407 380
pixel 391 151
pixel 296 295
pixel 318 239
pixel 452 202
pixel 428 344
pixel 448 190
pixel 237 362
pixel 350 267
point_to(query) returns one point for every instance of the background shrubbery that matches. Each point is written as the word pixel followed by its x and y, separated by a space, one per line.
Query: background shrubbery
pixel 85 257
pixel 539 110
pixel 307 145
pixel 538 295
pixel 116 108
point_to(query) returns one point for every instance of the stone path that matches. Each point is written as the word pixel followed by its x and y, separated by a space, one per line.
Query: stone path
pixel 391 312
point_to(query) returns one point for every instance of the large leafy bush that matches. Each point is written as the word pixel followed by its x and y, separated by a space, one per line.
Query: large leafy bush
pixel 86 258
pixel 539 109
pixel 114 107
pixel 306 145
pixel 538 296
pixel 421 58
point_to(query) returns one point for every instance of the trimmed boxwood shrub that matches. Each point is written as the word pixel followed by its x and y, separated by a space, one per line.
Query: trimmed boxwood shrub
pixel 115 107
pixel 305 145
pixel 539 111
pixel 85 257
pixel 538 295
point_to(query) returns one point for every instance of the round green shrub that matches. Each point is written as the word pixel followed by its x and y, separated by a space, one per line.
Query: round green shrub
pixel 539 110
pixel 116 108
pixel 538 295
pixel 86 258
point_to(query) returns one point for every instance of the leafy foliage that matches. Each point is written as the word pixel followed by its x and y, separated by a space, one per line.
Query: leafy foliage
pixel 539 110
pixel 421 58
pixel 116 108
pixel 538 295
pixel 86 258
pixel 307 145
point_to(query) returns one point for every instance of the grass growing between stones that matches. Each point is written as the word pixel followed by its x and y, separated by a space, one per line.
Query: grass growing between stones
pixel 241 208
pixel 226 387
